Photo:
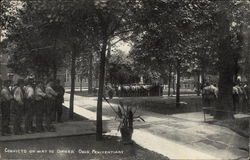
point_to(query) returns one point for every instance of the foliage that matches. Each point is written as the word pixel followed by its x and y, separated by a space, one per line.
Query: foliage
pixel 127 114
pixel 201 35
pixel 121 69
pixel 45 31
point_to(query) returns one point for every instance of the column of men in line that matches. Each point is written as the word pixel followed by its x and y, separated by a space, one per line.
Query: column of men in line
pixel 32 101
pixel 139 90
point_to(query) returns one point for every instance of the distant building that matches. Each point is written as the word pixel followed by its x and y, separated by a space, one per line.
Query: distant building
pixel 78 80
pixel 187 82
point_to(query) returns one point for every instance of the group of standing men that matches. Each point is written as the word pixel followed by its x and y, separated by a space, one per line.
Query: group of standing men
pixel 32 101
pixel 240 96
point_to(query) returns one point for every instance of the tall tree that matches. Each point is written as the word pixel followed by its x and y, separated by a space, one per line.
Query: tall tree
pixel 114 20
pixel 165 33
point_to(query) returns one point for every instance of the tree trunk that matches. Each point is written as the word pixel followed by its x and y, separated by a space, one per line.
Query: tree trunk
pixel 225 102
pixel 81 83
pixel 90 75
pixel 107 62
pixel 55 59
pixel 55 72
pixel 72 92
pixel 173 84
pixel 224 105
pixel 169 79
pixel 225 86
pixel 178 84
pixel 100 91
pixel 202 78
pixel 198 87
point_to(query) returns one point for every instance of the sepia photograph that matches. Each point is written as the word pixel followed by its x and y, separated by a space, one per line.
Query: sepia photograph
pixel 124 79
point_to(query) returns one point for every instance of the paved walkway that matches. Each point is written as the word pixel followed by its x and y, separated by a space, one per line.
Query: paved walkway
pixel 180 136
pixel 73 128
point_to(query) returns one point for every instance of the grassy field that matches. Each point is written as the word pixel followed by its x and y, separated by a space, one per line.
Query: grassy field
pixel 165 92
pixel 163 105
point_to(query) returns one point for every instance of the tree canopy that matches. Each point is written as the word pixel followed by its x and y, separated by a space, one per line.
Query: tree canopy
pixel 167 35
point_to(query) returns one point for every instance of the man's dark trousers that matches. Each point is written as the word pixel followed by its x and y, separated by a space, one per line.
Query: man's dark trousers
pixel 39 114
pixel 59 108
pixel 18 108
pixel 5 107
pixel 29 108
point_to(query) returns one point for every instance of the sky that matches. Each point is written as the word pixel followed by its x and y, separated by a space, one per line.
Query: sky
pixel 123 46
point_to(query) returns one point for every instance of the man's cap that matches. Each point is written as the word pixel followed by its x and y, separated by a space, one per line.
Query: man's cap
pixel 30 78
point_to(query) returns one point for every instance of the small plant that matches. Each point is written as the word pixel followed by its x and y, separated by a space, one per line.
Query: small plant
pixel 127 116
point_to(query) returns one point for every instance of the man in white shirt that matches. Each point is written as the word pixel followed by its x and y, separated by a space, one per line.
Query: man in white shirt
pixel 5 107
pixel 18 106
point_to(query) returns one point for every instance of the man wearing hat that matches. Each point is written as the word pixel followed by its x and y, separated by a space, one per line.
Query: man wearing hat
pixel 18 106
pixel 5 107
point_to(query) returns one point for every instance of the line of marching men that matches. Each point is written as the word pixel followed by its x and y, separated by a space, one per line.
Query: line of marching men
pixel 32 101
pixel 139 90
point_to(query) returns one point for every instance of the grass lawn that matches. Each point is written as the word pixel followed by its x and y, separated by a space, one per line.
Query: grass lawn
pixel 158 104
pixel 165 92
pixel 182 91
pixel 80 147
pixel 163 105
pixel 84 93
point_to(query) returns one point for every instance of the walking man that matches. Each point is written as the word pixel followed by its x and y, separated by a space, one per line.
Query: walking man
pixel 50 106
pixel 209 95
pixel 59 89
pixel 5 107
pixel 18 106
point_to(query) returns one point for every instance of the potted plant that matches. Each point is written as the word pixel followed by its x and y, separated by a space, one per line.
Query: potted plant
pixel 126 114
